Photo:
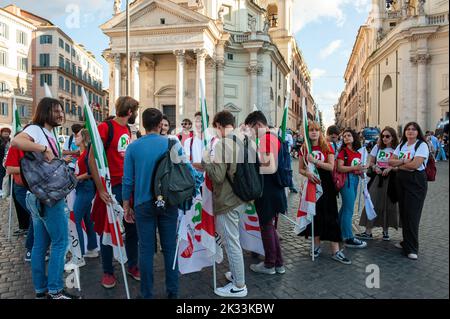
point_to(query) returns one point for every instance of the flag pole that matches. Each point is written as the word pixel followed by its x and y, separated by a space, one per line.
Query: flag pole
pixel 178 242
pixel 111 211
pixel 10 209
pixel 214 273
pixel 312 239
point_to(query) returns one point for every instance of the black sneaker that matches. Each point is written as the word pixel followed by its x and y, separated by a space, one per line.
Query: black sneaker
pixel 317 252
pixel 41 295
pixel 364 236
pixel 355 243
pixel 339 256
pixel 386 236
pixel 28 256
pixel 63 295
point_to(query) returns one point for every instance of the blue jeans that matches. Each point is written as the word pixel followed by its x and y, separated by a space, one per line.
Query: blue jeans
pixel 441 154
pixel 82 211
pixel 348 193
pixel 49 230
pixel 147 219
pixel 20 193
pixel 131 241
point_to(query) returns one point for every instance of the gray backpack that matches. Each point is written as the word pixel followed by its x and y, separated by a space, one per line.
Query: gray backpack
pixel 172 183
pixel 48 181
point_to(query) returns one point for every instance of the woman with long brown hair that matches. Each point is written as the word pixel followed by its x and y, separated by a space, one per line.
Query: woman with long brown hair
pixel 382 188
pixel 326 219
pixel 411 158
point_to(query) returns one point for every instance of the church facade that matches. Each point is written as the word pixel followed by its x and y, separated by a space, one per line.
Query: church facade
pixel 227 48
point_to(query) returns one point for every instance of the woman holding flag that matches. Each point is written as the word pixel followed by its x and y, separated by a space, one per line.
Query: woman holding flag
pixel 382 188
pixel 326 219
pixel 349 162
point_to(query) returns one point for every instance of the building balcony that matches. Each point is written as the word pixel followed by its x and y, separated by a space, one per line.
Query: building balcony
pixel 247 36
pixel 437 19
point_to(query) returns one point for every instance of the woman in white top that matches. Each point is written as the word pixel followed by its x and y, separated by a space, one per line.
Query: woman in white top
pixel 382 187
pixel 411 158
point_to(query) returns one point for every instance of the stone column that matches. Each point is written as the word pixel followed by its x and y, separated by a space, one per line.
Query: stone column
pixel 117 80
pixel 220 84
pixel 253 72
pixel 201 75
pixel 422 60
pixel 180 81
pixel 135 61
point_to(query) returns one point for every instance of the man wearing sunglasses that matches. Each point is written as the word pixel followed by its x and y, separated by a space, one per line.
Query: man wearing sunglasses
pixel 186 132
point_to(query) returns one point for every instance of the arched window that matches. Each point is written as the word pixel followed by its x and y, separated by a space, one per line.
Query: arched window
pixel 387 83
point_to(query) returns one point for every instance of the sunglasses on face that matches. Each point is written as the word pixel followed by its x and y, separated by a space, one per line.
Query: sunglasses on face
pixel 387 136
pixel 185 124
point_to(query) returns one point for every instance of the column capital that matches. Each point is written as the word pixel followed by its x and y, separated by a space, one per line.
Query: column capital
pixel 179 53
pixel 252 69
pixel 422 58
pixel 135 57
pixel 201 53
pixel 211 63
pixel 117 57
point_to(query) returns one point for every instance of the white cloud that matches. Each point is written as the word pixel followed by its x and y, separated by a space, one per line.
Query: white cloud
pixel 99 10
pixel 325 101
pixel 330 49
pixel 307 11
pixel 317 73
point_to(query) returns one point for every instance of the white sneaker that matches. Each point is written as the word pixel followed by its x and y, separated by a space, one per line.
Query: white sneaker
pixel 74 262
pixel 262 269
pixel 91 254
pixel 398 245
pixel 232 291
pixel 412 256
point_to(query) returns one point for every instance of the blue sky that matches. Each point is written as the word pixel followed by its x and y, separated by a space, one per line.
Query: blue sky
pixel 325 31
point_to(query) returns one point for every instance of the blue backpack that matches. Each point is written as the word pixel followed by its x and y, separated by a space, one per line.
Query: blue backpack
pixel 284 171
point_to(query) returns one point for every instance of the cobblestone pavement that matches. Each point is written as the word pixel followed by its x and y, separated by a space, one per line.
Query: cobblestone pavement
pixel 399 277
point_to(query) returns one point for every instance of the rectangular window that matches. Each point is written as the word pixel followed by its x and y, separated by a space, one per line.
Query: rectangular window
pixel 44 59
pixel 67 65
pixel 73 88
pixel 67 85
pixel 46 39
pixel 74 69
pixel 3 108
pixel 271 71
pixel 73 52
pixel 227 13
pixel 22 37
pixel 3 58
pixel 4 30
pixel 61 43
pixel 74 109
pixel 24 111
pixel 61 83
pixel 79 90
pixel 61 61
pixel 80 74
pixel 67 48
pixel 46 78
pixel 230 56
pixel 22 64
pixel 67 108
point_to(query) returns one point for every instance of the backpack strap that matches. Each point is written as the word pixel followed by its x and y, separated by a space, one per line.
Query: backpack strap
pixel 50 144
pixel 110 135
pixel 191 157
pixel 70 142
pixel 86 159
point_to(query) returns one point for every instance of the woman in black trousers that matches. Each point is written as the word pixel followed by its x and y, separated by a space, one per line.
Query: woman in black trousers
pixel 411 157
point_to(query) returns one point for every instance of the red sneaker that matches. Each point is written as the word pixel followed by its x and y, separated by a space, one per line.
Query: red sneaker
pixel 108 281
pixel 134 273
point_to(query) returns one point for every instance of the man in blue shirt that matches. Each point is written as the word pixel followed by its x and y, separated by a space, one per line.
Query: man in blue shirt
pixel 140 160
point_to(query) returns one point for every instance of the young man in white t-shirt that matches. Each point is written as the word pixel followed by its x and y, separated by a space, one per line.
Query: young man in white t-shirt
pixel 50 229
pixel 194 146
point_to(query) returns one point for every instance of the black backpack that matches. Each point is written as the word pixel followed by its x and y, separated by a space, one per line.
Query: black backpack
pixel 247 182
pixel 172 183
pixel 111 134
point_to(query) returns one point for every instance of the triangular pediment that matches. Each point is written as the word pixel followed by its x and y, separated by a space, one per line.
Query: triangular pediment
pixel 149 13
